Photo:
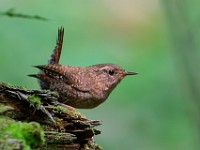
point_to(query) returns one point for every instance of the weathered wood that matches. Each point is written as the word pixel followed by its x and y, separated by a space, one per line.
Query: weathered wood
pixel 64 127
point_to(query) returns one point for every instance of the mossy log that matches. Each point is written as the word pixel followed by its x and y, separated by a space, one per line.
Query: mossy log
pixel 34 119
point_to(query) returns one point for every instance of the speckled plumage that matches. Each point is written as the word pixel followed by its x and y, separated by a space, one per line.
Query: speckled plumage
pixel 79 87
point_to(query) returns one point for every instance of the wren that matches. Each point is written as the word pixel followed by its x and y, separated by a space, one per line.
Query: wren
pixel 79 87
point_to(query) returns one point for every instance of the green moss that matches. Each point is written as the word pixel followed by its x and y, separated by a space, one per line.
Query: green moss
pixel 91 145
pixel 29 132
pixel 60 108
pixel 34 99
pixel 30 135
pixel 51 92
pixel 14 86
pixel 8 84
pixel 70 110
pixel 4 108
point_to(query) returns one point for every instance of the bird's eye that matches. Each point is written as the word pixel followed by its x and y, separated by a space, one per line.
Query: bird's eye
pixel 111 72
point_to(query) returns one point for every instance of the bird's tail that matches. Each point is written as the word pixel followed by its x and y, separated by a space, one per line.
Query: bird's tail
pixel 35 76
pixel 55 56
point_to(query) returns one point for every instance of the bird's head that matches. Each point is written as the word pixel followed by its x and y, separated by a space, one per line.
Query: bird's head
pixel 109 75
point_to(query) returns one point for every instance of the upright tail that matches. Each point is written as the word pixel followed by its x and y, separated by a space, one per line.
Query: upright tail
pixel 43 77
pixel 55 56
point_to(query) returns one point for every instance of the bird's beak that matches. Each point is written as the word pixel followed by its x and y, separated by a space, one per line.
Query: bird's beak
pixel 131 73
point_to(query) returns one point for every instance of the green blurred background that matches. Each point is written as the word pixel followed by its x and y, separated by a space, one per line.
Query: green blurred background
pixel 155 110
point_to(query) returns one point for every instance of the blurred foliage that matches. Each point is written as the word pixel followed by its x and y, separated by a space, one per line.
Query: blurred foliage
pixel 154 110
pixel 11 13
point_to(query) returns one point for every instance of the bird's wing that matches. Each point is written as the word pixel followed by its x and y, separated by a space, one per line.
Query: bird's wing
pixel 54 71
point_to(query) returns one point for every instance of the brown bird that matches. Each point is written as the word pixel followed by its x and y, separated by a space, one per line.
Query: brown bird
pixel 79 87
